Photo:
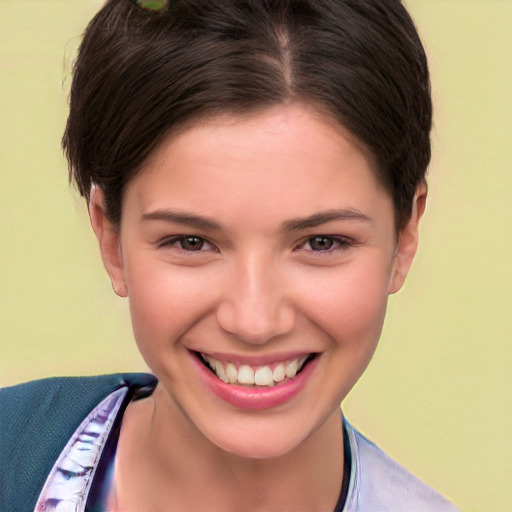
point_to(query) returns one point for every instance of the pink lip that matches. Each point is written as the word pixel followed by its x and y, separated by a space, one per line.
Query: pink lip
pixel 254 398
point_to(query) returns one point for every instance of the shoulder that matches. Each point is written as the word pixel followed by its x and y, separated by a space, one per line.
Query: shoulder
pixel 380 483
pixel 64 400
pixel 37 419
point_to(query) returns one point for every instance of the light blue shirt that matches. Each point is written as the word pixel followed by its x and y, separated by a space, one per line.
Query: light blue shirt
pixel 380 484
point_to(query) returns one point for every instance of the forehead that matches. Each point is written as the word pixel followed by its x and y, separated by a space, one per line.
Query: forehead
pixel 288 157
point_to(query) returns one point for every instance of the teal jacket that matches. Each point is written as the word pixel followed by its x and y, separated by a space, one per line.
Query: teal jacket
pixel 36 421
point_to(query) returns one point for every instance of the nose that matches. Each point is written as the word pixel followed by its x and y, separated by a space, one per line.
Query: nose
pixel 255 306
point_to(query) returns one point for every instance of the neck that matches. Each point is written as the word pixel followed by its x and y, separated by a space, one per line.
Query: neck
pixel 162 459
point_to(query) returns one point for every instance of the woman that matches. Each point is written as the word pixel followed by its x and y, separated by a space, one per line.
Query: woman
pixel 255 174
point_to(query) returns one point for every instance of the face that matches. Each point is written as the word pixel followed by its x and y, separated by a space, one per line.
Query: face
pixel 257 255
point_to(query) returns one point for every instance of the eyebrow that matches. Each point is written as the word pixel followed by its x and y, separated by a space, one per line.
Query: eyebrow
pixel 324 217
pixel 298 224
pixel 188 219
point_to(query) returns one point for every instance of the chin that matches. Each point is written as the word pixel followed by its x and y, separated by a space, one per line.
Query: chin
pixel 260 448
pixel 259 438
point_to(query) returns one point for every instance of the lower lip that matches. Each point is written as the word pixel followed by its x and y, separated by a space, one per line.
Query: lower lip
pixel 254 398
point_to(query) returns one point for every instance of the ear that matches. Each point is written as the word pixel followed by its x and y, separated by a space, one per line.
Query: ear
pixel 408 241
pixel 109 241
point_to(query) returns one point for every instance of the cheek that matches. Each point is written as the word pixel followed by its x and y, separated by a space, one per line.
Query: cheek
pixel 164 304
pixel 351 305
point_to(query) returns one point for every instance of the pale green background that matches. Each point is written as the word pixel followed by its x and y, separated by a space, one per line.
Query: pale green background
pixel 438 394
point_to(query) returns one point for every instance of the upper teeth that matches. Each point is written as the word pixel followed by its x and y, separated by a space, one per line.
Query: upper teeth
pixel 266 375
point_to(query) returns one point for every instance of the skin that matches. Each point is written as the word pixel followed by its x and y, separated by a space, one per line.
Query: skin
pixel 253 289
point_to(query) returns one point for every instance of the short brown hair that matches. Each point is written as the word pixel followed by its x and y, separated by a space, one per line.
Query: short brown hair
pixel 138 77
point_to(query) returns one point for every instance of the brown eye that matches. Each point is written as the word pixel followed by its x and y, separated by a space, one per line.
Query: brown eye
pixel 321 243
pixel 191 243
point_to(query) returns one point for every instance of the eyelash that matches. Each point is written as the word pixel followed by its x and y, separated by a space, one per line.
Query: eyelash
pixel 170 242
pixel 340 243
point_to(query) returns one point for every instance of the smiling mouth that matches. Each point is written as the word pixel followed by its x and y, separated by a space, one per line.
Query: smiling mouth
pixel 255 376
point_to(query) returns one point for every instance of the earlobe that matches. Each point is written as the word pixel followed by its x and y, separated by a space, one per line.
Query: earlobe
pixel 108 239
pixel 407 243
